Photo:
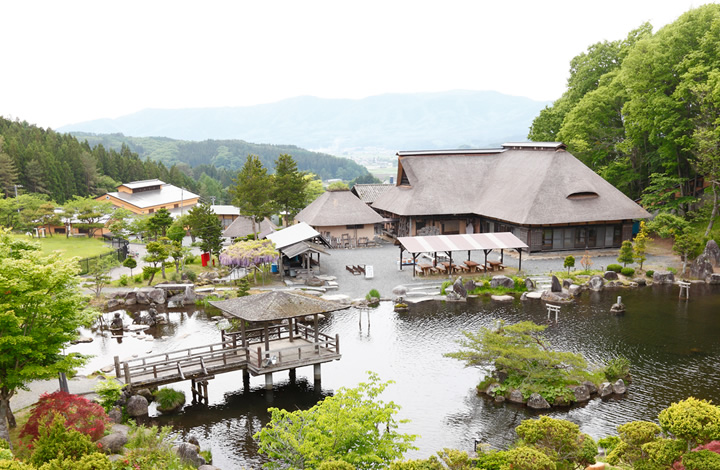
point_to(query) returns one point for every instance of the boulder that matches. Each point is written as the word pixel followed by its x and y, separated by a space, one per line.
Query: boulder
pixel 554 296
pixel 566 283
pixel 555 285
pixel 130 301
pixel 611 275
pixel 115 415
pixel 314 282
pixel 713 278
pixel 189 453
pixel 499 398
pixel 592 389
pixel 469 285
pixel 502 281
pixel 619 387
pixel 502 298
pixel 640 281
pixel 113 443
pixel 491 389
pixel 157 296
pixel 575 290
pixel 605 390
pixel 144 392
pixel 114 303
pixel 130 295
pixel 516 396
pixel 713 252
pixel 452 296
pixel 618 308
pixel 537 402
pixel 596 282
pixel 582 394
pixel 701 267
pixel 137 406
pixel 399 291
pixel 529 284
pixel 596 466
pixel 459 288
pixel 532 295
pixel 663 277
pixel 142 298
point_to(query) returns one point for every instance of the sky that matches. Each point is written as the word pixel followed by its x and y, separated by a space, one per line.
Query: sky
pixel 64 62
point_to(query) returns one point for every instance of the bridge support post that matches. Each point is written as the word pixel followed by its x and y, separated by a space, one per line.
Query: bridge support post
pixel 317 375
pixel 268 381
pixel 246 380
pixel 292 376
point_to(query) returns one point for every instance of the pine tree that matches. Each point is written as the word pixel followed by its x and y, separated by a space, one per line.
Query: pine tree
pixel 626 253
pixel 252 192
pixel 641 240
pixel 288 187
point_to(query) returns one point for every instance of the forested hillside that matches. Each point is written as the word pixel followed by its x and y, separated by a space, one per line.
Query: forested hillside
pixel 644 112
pixel 43 161
pixel 227 154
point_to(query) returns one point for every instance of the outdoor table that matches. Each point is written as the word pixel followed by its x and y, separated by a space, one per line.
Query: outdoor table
pixel 425 268
pixel 494 265
pixel 472 265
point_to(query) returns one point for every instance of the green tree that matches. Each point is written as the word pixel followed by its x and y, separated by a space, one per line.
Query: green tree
pixel 560 440
pixel 8 172
pixel 40 313
pixel 626 254
pixel 196 218
pixel 177 231
pixel 685 242
pixel 157 255
pixel 99 272
pixel 313 189
pixel 130 263
pixel 640 246
pixel 569 263
pixel 178 253
pixel 160 221
pixel 694 421
pixel 119 223
pixel 252 192
pixel 138 225
pixel 88 212
pixel 353 426
pixel 211 236
pixel 288 188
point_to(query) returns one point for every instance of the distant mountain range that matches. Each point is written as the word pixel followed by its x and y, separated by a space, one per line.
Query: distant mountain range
pixel 452 119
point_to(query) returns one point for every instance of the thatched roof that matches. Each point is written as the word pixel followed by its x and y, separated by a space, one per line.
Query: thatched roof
pixel 535 183
pixel 275 305
pixel 242 227
pixel 368 193
pixel 338 208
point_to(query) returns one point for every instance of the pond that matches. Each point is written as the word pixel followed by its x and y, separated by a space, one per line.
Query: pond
pixel 672 345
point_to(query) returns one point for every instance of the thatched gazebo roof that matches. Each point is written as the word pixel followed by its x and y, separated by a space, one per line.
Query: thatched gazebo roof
pixel 275 305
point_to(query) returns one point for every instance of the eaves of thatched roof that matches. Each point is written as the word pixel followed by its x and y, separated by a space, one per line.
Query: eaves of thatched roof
pixel 368 193
pixel 242 227
pixel 338 208
pixel 275 305
pixel 527 186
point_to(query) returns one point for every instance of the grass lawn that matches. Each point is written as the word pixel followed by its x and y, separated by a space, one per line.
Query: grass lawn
pixel 82 247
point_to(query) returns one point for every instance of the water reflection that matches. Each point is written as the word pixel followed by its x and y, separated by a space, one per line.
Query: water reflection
pixel 671 344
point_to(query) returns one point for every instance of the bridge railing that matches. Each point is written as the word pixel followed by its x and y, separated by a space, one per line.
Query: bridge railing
pixel 257 335
pixel 292 355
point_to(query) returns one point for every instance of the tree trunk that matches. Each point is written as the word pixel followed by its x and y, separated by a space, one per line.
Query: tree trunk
pixel 4 425
pixel 714 212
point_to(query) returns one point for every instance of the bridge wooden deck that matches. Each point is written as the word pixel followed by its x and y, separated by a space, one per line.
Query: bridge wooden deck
pixel 201 363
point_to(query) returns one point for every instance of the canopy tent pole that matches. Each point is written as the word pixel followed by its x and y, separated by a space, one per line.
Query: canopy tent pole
pixel 435 262
pixel 415 255
pixel 401 252
pixel 468 255
pixel 519 250
pixel 449 254
pixel 486 253
pixel 501 255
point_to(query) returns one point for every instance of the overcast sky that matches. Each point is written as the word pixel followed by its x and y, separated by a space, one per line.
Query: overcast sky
pixel 63 62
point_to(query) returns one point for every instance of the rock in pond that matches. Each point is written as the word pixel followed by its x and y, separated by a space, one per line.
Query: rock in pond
pixel 619 387
pixel 606 389
pixel 537 402
pixel 596 282
pixel 137 406
pixel 502 281
pixel 516 396
pixel 502 298
pixel 555 285
pixel 611 276
pixel 582 394
pixel 663 277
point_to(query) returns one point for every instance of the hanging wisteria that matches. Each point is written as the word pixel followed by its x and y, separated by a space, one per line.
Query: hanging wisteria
pixel 249 253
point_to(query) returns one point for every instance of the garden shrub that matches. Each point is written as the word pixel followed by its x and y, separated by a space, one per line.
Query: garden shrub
pixel 692 420
pixel 559 439
pixel 617 368
pixel 614 267
pixel 444 286
pixel 491 460
pixel 169 399
pixel 608 443
pixel 150 447
pixel 627 272
pixel 335 465
pixel 94 461
pixel 191 275
pixel 633 436
pixel 124 279
pixel 109 391
pixel 77 412
pixel 14 465
pixel 373 294
pixel 138 278
pixel 663 452
pixel 672 270
pixel 701 460
pixel 6 454
pixel 190 259
pixel 527 458
pixel 649 273
pixel 57 440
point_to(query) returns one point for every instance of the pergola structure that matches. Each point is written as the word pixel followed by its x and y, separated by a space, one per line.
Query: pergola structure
pixel 280 345
pixel 485 242
pixel 298 239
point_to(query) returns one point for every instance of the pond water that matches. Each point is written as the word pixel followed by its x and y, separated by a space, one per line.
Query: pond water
pixel 672 345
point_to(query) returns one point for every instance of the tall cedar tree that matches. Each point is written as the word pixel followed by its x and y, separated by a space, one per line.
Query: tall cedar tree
pixel 160 221
pixel 252 192
pixel 288 187
pixel 211 236
pixel 41 309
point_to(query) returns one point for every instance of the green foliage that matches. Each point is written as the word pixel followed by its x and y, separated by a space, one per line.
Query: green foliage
pixel 243 287
pixel 663 452
pixel 617 368
pixel 335 465
pixel 701 460
pixel 15 465
pixel 139 278
pixel 93 461
pixel 191 275
pixel 626 253
pixel 444 286
pixel 373 294
pixel 57 440
pixel 521 351
pixel 98 273
pixel 150 447
pixel 627 272
pixel 252 192
pixel 109 391
pixel 289 185
pixel 569 262
pixel 608 443
pixel 160 221
pixel 692 420
pixel 633 436
pixel 6 454
pixel 614 267
pixel 685 242
pixel 649 273
pixel 353 426
pixel 528 458
pixel 42 309
pixel 169 398
pixel 640 246
pixel 89 213
pixel 559 439
pixel 124 280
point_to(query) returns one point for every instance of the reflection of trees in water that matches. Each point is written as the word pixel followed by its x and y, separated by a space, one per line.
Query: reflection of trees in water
pixel 232 424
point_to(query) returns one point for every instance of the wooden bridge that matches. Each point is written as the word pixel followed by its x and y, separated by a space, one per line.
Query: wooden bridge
pixel 264 351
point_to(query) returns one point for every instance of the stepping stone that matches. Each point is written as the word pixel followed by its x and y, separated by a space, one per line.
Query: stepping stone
pixel 533 295
pixel 502 298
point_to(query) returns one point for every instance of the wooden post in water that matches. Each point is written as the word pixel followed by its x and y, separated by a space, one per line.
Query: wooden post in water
pixel 118 373
pixel 684 286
